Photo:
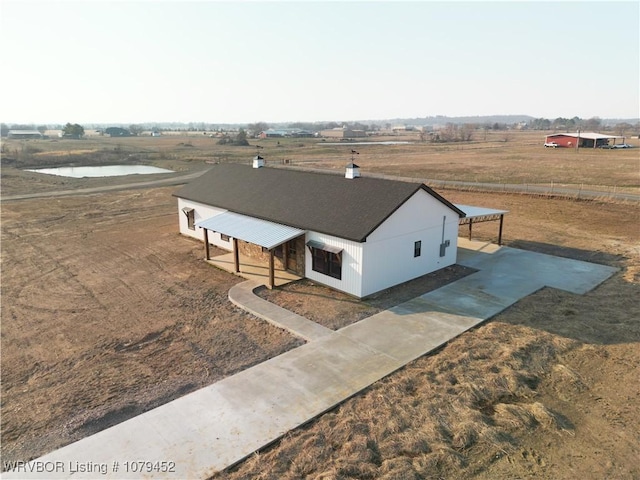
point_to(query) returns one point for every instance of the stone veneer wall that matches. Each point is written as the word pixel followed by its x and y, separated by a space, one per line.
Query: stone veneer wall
pixel 298 267
pixel 255 251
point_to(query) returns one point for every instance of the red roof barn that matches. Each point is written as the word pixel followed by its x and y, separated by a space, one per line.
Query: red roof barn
pixel 584 140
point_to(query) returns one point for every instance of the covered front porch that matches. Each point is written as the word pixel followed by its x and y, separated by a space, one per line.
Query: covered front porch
pixel 272 238
pixel 254 269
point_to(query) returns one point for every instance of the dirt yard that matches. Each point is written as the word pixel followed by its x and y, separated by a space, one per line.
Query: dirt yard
pixel 107 312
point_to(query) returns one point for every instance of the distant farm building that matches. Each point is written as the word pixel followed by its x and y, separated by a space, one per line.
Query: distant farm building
pixel 285 132
pixel 403 128
pixel 342 133
pixel 24 134
pixel 302 134
pixel 582 140
pixel 271 133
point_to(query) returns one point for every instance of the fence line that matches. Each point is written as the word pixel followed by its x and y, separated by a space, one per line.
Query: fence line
pixel 552 189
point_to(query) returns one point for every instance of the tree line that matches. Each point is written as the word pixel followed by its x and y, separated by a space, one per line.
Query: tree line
pixel 451 132
pixel 576 123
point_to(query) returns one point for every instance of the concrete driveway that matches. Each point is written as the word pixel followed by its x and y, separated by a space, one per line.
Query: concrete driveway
pixel 218 426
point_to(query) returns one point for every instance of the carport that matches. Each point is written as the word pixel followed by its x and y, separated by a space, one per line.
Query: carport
pixel 481 214
pixel 582 139
pixel 263 233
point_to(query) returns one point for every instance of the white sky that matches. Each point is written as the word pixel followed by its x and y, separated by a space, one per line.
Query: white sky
pixel 236 62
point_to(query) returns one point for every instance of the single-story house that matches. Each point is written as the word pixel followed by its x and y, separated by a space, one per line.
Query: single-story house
pixel 582 139
pixel 355 234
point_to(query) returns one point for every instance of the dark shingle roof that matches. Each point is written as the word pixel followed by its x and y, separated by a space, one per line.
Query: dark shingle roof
pixel 322 202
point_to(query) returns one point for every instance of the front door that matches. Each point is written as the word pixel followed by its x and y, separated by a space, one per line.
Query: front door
pixel 295 255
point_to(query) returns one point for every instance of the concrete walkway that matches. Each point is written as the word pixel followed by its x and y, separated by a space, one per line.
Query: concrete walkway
pixel 242 296
pixel 219 425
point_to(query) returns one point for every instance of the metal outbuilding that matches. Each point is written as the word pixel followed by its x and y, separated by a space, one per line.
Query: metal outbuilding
pixel 582 139
pixel 24 134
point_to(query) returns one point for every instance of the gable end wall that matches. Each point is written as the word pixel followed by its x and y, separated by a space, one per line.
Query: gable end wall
pixel 388 252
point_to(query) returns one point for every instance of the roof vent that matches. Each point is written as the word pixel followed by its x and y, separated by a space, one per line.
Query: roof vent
pixel 258 161
pixel 352 171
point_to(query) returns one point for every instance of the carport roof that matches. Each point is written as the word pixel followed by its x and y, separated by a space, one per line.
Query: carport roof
pixel 475 212
pixel 253 230
pixel 587 135
pixel 479 214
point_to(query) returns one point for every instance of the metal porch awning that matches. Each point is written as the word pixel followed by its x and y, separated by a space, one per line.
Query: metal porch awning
pixel 323 246
pixel 253 230
pixel 475 214
pixel 479 214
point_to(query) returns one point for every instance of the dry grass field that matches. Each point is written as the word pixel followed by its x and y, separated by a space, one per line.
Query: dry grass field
pixel 107 312
pixel 521 159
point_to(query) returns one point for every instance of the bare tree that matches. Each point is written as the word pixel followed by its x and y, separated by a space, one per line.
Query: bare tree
pixel 466 133
pixel 449 133
pixel 593 124
pixel 257 128
pixel 136 129
pixel 622 128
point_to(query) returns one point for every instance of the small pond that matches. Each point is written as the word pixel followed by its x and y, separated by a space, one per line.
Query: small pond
pixel 103 171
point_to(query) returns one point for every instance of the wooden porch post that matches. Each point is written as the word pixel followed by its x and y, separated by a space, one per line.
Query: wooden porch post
pixel 206 245
pixel 470 227
pixel 285 255
pixel 500 230
pixel 236 256
pixel 271 273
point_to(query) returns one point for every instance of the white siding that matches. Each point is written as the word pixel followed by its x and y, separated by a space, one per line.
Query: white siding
pixel 388 253
pixel 387 256
pixel 201 212
pixel 351 281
